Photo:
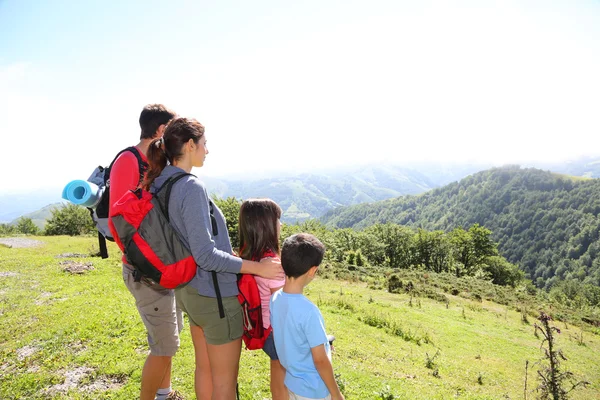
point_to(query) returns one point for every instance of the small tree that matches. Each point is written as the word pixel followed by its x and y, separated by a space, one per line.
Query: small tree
pixel 552 378
pixel 70 220
pixel 502 272
pixel 26 226
pixel 360 262
pixel 7 229
pixel 351 258
pixel 230 207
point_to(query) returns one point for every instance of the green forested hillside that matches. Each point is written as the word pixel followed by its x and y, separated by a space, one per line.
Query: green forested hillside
pixel 545 222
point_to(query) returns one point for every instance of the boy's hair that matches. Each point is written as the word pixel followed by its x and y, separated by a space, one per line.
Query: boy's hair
pixel 258 221
pixel 153 116
pixel 300 252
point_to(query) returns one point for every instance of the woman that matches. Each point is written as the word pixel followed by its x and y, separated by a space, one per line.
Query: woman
pixel 216 326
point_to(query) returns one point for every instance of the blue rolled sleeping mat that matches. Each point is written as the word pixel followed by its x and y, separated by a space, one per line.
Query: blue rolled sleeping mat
pixel 82 193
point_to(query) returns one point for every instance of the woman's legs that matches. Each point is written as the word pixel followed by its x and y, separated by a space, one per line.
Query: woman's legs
pixel 224 363
pixel 217 356
pixel 278 389
pixel 202 376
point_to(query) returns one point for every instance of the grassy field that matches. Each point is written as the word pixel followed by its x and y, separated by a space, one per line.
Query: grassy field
pixel 78 336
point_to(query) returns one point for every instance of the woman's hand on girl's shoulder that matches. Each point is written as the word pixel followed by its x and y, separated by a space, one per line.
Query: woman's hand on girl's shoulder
pixel 271 268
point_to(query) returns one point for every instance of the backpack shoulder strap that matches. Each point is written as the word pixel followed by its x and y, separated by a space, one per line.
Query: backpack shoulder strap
pixel 164 197
pixel 215 231
pixel 142 165
pixel 213 220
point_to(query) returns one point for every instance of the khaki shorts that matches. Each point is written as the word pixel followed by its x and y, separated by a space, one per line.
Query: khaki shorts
pixel 294 396
pixel 159 313
pixel 204 312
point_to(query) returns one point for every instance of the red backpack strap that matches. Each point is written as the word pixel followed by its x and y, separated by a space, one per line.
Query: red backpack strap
pixel 269 253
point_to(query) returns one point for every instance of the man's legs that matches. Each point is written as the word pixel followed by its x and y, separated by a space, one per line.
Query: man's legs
pixel 155 375
pixel 163 322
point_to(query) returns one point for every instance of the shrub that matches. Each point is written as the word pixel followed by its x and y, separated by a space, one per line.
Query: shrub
pixel 26 226
pixel 70 220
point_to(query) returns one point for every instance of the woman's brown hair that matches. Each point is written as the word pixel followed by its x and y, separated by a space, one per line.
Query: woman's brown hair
pixel 169 148
pixel 258 225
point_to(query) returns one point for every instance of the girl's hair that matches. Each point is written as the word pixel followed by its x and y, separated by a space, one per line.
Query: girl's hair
pixel 258 228
pixel 168 148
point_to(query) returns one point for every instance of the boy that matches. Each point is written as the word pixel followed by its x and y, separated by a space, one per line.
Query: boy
pixel 298 326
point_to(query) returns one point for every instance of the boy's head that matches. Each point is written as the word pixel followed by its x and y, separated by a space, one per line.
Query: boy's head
pixel 300 253
pixel 153 119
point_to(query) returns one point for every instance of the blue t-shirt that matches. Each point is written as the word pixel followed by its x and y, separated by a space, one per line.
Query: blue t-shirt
pixel 298 326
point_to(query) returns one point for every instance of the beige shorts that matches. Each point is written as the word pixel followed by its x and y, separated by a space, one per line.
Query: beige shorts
pixel 204 312
pixel 294 396
pixel 159 313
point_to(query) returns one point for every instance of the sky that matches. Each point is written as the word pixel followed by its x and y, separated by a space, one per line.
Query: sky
pixel 298 86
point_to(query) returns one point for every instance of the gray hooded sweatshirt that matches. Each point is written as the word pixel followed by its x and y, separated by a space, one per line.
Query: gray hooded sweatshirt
pixel 189 213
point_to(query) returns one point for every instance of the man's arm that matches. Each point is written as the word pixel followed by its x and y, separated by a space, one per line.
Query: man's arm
pixel 325 370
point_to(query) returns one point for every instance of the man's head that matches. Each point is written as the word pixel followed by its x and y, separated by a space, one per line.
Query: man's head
pixel 300 253
pixel 153 119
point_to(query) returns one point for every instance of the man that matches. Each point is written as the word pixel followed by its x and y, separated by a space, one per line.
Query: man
pixel 155 305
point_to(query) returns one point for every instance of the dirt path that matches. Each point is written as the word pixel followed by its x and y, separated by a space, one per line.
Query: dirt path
pixel 19 242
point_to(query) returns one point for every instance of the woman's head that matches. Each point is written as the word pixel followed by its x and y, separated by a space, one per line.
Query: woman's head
pixel 258 228
pixel 183 139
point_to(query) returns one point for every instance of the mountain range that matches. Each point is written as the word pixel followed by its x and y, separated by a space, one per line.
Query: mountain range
pixel 300 197
pixel 311 195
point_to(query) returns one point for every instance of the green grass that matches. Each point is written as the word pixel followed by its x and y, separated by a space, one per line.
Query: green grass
pixel 53 323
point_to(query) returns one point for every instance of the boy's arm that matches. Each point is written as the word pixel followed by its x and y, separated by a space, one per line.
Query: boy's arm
pixel 325 370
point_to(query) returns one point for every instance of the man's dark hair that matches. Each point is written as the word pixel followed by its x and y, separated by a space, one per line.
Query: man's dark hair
pixel 153 116
pixel 300 252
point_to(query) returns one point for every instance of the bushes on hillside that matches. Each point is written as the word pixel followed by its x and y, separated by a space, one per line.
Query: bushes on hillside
pixel 26 226
pixel 70 220
pixel 23 226
pixel 7 229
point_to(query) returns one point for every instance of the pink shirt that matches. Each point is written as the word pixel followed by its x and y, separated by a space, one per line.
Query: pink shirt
pixel 264 288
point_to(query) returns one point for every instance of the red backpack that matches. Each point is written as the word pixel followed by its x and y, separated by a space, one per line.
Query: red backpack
pixel 255 334
pixel 141 228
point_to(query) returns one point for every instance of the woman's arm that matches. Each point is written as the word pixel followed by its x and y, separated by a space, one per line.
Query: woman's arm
pixel 198 228
pixel 269 268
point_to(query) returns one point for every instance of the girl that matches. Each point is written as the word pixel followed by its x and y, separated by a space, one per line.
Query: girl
pixel 215 326
pixel 259 229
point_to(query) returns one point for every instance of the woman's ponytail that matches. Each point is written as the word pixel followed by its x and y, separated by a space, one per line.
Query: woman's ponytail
pixel 157 160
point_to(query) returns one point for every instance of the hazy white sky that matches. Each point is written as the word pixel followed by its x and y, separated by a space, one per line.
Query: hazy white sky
pixel 298 85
